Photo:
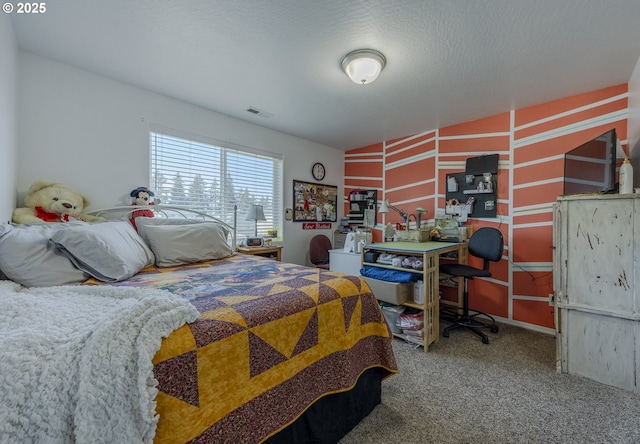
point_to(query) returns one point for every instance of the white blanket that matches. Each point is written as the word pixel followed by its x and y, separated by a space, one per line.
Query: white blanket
pixel 75 361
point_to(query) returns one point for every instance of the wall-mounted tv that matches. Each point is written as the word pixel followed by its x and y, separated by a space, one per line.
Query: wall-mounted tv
pixel 591 167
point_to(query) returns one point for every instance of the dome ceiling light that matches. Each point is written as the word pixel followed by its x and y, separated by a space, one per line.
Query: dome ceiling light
pixel 363 66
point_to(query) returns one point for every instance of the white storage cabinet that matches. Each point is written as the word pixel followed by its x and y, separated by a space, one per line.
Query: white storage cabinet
pixel 596 274
pixel 345 262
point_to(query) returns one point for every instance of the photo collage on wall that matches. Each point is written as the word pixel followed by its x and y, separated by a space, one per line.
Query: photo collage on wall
pixel 314 202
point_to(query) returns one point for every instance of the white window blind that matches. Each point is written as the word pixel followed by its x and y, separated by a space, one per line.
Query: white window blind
pixel 212 178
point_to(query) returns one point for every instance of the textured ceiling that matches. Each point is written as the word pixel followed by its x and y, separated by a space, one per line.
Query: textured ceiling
pixel 448 61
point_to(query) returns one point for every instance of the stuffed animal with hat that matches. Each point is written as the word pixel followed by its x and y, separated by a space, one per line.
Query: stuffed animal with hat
pixel 141 197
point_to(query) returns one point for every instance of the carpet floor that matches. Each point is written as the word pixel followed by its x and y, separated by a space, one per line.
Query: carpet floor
pixel 508 391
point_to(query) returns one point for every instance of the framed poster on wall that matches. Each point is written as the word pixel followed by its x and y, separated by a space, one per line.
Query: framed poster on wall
pixel 314 202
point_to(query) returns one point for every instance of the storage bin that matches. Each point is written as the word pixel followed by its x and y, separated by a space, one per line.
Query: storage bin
pixel 371 256
pixel 391 314
pixel 392 292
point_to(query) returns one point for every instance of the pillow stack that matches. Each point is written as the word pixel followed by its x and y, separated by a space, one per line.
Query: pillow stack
pixel 27 258
pixel 43 255
pixel 109 251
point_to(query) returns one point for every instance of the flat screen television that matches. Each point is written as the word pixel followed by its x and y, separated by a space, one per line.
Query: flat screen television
pixel 591 167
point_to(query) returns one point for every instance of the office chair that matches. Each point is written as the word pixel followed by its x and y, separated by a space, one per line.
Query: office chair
pixel 319 247
pixel 486 243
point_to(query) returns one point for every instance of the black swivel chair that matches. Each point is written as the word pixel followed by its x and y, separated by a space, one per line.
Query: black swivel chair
pixel 486 243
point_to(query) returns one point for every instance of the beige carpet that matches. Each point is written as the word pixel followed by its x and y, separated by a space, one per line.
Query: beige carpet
pixel 508 391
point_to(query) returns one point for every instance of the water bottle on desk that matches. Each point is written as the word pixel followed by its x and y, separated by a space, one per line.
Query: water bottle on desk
pixel 626 177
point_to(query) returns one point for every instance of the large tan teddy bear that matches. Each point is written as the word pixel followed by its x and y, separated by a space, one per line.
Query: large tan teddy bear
pixel 52 202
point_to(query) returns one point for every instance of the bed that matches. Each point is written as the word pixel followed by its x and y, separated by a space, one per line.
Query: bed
pixel 254 350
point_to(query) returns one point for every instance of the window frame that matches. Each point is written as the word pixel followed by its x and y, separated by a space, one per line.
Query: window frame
pixel 228 159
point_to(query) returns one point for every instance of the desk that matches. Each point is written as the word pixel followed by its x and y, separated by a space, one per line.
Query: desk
pixel 273 252
pixel 431 253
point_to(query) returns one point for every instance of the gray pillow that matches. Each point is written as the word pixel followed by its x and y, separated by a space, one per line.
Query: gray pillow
pixel 26 257
pixel 142 223
pixel 108 251
pixel 185 244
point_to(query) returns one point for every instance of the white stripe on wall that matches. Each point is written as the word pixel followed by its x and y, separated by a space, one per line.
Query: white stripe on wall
pixel 368 178
pixel 539 161
pixel 409 160
pixel 372 153
pixel 405 140
pixel 370 160
pixel 533 225
pixel 533 266
pixel 531 298
pixel 408 147
pixel 470 153
pixel 615 116
pixel 412 185
pixel 573 111
pixel 539 182
pixel 533 209
pixel 476 136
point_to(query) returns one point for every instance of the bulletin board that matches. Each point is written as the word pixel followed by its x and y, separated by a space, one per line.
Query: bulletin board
pixel 314 202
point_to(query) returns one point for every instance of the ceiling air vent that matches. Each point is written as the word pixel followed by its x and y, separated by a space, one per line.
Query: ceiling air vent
pixel 259 112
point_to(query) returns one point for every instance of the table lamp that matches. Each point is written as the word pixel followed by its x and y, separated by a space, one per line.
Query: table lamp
pixel 255 214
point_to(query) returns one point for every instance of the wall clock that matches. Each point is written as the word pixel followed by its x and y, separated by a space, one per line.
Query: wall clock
pixel 318 171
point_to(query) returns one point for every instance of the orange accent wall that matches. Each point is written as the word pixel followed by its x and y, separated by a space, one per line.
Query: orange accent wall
pixel 531 143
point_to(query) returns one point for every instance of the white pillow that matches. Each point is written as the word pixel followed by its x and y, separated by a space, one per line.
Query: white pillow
pixel 26 257
pixel 185 244
pixel 108 251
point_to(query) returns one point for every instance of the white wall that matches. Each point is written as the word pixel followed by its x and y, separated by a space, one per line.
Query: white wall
pixel 92 133
pixel 633 124
pixel 8 144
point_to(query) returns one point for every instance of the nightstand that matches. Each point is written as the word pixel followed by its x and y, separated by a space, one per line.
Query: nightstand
pixel 274 252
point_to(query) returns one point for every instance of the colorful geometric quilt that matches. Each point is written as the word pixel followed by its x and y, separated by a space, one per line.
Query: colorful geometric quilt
pixel 271 339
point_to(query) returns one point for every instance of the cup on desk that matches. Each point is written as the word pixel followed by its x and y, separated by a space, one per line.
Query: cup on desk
pixel 267 242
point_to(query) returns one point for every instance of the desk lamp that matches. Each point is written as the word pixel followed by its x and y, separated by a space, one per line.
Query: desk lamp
pixel 385 206
pixel 255 214
pixel 384 209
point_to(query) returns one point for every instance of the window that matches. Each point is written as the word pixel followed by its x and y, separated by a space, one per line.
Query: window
pixel 212 178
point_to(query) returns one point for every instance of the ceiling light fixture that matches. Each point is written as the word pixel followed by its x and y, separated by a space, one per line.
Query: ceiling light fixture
pixel 363 66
